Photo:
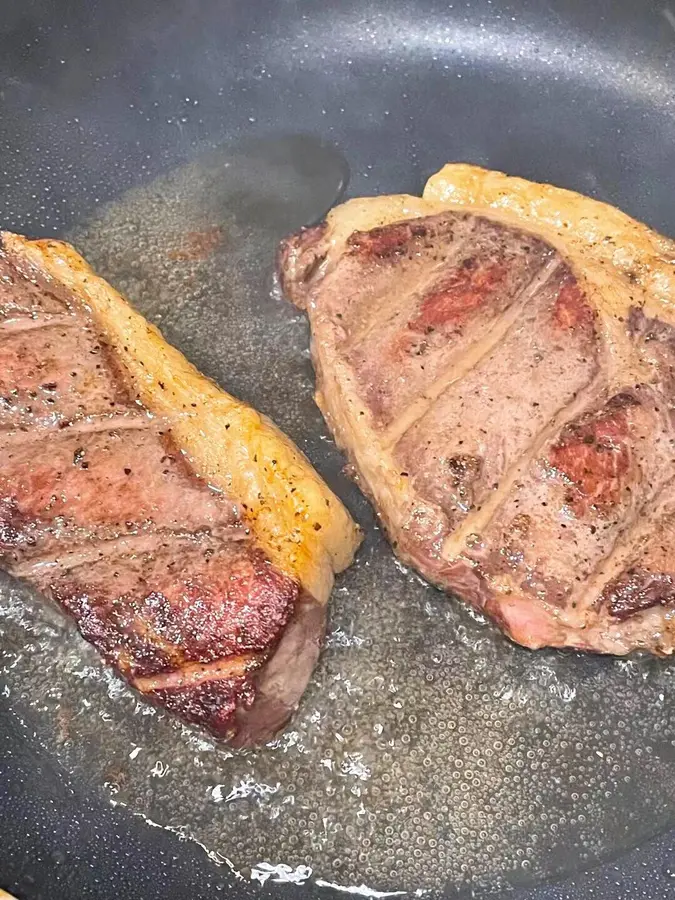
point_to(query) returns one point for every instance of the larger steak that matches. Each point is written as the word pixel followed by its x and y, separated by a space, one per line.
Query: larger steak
pixel 498 358
pixel 192 543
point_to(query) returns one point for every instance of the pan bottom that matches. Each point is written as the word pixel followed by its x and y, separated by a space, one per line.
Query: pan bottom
pixel 428 752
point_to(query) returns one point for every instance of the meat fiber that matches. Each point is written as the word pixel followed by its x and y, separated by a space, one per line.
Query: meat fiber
pixel 497 360
pixel 191 542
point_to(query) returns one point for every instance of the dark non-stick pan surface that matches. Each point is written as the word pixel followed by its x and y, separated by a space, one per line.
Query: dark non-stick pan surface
pixel 429 753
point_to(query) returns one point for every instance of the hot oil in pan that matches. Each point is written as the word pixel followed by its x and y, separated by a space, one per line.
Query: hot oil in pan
pixel 428 751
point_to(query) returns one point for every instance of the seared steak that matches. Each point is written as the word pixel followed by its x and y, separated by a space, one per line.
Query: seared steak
pixel 192 544
pixel 497 360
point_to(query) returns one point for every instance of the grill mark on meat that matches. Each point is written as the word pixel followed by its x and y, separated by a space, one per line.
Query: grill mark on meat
pixel 399 355
pixel 654 505
pixel 59 374
pixel 144 635
pixel 102 484
pixel 656 501
pixel 456 543
pixel 141 542
pixel 26 323
pixel 565 564
pixel 477 352
pixel 381 313
pixel 194 674
pixel 127 420
pixel 490 413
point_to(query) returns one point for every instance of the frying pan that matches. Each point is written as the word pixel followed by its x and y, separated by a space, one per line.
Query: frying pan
pixel 428 754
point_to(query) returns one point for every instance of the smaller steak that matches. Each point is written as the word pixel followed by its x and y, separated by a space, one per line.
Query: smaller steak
pixel 191 542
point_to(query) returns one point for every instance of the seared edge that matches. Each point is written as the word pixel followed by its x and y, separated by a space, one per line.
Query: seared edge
pixel 296 519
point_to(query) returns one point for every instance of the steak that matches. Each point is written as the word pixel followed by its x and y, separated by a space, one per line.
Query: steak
pixel 191 542
pixel 497 358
